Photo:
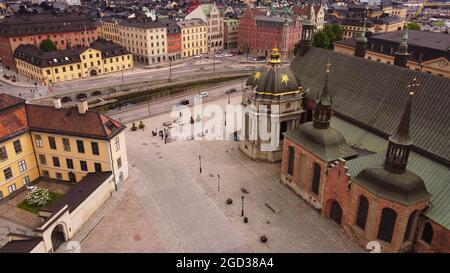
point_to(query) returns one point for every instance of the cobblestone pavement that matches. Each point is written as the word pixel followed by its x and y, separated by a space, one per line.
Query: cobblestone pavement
pixel 171 207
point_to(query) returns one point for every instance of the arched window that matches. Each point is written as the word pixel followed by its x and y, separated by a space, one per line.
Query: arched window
pixel 409 225
pixel 387 225
pixel 363 210
pixel 316 179
pixel 427 233
pixel 291 161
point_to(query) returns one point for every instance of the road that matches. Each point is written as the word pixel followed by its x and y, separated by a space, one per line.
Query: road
pixel 136 112
pixel 140 73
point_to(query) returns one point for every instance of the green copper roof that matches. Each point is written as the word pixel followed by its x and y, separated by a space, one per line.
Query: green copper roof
pixel 436 176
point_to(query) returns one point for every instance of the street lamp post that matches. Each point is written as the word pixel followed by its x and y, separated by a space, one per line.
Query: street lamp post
pixel 123 79
pixel 242 212
pixel 218 182
pixel 200 161
pixel 170 69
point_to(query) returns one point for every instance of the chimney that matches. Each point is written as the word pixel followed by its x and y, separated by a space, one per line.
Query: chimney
pixel 57 103
pixel 83 107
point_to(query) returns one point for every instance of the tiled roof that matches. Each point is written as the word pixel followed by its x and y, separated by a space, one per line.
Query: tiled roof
pixel 8 101
pixel 33 55
pixel 434 40
pixel 371 93
pixel 146 24
pixel 191 23
pixel 78 193
pixel 21 246
pixel 13 118
pixel 70 122
pixel 44 24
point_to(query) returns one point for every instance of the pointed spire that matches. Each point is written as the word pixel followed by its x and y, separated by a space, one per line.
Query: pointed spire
pixel 401 136
pixel 399 143
pixel 324 97
pixel 322 111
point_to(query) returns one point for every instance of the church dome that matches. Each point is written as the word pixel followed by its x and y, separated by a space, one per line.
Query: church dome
pixel 274 79
pixel 329 143
pixel 405 188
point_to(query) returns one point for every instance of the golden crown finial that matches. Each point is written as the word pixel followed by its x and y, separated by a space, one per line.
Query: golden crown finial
pixel 413 86
pixel 274 56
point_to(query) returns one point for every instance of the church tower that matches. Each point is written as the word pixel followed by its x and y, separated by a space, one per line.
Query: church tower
pixel 402 54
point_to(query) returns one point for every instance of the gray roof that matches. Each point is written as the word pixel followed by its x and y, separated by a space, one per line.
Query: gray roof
pixel 435 176
pixel 434 40
pixel 373 94
pixel 328 144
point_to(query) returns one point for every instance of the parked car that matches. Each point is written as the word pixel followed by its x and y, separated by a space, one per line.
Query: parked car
pixel 202 94
pixel 232 90
pixel 261 58
pixel 218 56
pixel 197 56
pixel 183 102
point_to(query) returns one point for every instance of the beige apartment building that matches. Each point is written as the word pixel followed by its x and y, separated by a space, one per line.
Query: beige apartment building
pixel 145 39
pixel 194 39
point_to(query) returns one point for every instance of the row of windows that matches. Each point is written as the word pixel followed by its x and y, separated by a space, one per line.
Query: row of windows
pixel 12 188
pixel 66 145
pixel 17 149
pixel 195 30
pixel 69 163
pixel 8 173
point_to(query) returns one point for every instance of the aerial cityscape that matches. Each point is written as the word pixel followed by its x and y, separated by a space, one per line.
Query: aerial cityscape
pixel 225 126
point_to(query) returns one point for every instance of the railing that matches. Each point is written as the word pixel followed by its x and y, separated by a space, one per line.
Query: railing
pixel 148 86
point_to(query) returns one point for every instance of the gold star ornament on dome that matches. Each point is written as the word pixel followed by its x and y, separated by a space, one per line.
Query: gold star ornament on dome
pixel 257 75
pixel 284 78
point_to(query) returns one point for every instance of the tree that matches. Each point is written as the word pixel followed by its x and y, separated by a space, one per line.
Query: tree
pixel 38 197
pixel 47 45
pixel 297 47
pixel 322 40
pixel 414 26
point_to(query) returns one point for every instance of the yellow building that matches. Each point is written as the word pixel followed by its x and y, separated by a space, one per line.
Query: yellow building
pixel 50 67
pixel 109 30
pixel 194 40
pixel 62 144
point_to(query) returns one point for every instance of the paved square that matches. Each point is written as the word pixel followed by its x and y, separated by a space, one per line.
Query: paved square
pixel 171 207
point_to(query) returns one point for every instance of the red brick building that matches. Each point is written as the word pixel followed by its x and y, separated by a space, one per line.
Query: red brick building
pixel 174 46
pixel 64 30
pixel 389 191
pixel 261 29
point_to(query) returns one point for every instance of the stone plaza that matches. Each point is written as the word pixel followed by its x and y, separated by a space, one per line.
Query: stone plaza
pixel 167 205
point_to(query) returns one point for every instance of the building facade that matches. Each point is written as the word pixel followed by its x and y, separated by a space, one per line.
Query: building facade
pixel 315 11
pixel 273 105
pixel 174 40
pixel 210 14
pixel 145 39
pixel 378 190
pixel 61 144
pixel 426 51
pixel 52 67
pixel 231 32
pixel 260 30
pixel 194 38
pixel 109 30
pixel 63 30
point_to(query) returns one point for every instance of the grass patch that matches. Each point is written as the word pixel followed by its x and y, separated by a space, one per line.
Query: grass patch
pixel 24 205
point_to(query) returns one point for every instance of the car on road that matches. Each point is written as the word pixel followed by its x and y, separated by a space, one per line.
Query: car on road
pixel 183 102
pixel 197 56
pixel 232 90
pixel 202 94
pixel 218 56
